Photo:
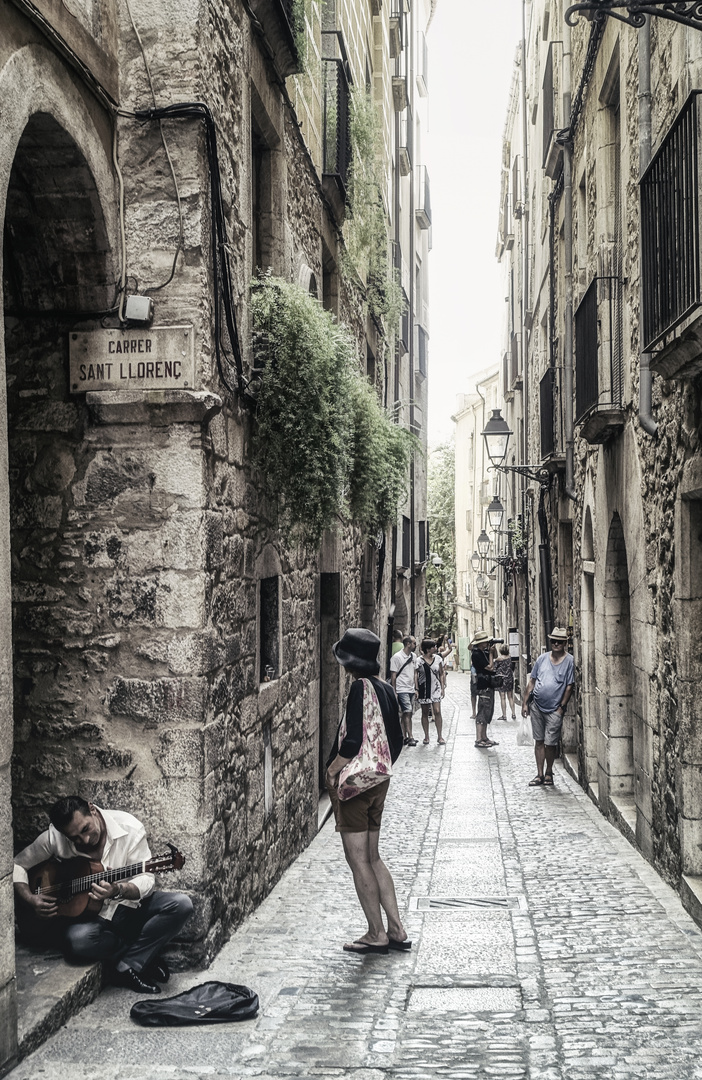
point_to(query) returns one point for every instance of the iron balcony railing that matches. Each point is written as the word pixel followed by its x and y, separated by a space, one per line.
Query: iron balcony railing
pixel 423 210
pixel 547 409
pixel 337 132
pixel 670 227
pixel 423 341
pixel 599 354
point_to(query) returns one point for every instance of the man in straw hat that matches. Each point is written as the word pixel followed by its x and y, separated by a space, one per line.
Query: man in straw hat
pixel 548 692
pixel 482 661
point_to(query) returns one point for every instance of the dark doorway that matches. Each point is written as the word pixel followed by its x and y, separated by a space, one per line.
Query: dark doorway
pixel 330 673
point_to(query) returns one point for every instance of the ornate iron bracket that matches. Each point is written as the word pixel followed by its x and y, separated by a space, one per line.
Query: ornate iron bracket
pixel 685 12
pixel 532 472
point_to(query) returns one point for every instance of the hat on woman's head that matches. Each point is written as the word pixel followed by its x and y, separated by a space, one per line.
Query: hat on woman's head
pixel 481 638
pixel 559 633
pixel 358 649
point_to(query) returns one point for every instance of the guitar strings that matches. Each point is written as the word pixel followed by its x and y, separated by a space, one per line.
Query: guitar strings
pixel 78 885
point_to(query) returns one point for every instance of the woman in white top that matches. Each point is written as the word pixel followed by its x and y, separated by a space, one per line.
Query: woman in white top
pixel 430 682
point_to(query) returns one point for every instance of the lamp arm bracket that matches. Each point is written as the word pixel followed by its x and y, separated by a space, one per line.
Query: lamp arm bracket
pixel 635 12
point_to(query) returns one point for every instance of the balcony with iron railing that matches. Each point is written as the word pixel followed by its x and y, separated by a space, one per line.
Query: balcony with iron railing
pixel 423 208
pixel 336 132
pixel 671 260
pixel 279 20
pixel 406 142
pixel 599 361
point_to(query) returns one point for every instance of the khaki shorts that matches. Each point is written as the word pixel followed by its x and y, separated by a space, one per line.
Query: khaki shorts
pixel 362 813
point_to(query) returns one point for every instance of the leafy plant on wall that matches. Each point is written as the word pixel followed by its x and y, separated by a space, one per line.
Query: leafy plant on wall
pixel 325 446
pixel 365 228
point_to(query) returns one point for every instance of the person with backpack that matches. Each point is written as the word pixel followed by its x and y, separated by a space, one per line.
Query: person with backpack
pixel 402 682
pixel 358 773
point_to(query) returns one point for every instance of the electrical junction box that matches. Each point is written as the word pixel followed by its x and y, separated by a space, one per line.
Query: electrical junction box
pixel 139 309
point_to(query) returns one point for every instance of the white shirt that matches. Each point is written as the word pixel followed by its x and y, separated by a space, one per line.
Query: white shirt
pixel 125 843
pixel 404 683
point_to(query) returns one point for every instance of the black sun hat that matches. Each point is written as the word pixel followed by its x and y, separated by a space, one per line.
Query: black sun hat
pixel 358 649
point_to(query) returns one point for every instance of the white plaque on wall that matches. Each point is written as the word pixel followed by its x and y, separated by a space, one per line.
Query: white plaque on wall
pixel 141 358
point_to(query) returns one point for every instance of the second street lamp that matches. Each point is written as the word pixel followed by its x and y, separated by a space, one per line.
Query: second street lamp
pixel 475 561
pixel 495 513
pixel 484 544
pixel 496 435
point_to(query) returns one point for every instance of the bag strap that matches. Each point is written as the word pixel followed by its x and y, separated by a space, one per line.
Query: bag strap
pixel 409 660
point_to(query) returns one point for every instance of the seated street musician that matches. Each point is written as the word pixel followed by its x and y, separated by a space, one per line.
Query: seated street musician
pixel 114 914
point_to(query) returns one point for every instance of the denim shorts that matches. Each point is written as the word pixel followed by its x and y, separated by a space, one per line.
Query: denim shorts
pixel 546 726
pixel 406 702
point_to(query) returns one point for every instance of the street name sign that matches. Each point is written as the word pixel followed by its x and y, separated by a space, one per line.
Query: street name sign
pixel 153 358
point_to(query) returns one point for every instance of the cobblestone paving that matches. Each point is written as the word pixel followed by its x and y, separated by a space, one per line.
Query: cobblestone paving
pixel 572 960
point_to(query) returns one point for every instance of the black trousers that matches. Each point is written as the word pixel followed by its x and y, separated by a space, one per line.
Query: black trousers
pixel 134 936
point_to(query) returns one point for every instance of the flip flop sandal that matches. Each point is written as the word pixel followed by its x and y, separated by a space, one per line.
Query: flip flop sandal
pixel 538 781
pixel 482 744
pixel 399 946
pixel 361 948
pixel 441 742
pixel 425 742
pixel 548 780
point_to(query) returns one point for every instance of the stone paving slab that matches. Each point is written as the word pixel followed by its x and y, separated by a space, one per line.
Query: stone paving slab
pixel 594 970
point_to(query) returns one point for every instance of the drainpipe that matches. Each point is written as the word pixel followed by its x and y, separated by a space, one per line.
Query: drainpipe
pixel 568 258
pixel 645 375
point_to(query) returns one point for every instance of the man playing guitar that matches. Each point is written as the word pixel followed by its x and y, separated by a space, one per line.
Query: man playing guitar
pixel 131 921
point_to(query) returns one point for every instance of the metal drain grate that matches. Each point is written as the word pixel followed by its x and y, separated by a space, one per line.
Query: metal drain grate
pixel 444 903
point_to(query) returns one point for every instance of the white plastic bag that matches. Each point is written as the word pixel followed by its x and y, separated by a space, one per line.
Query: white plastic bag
pixel 525 736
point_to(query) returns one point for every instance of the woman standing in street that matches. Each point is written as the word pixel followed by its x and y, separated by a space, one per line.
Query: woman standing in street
pixel 431 687
pixel 483 663
pixel 503 667
pixel 371 707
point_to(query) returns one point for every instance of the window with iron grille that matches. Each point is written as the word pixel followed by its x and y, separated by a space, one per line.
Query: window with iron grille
pixel 547 405
pixel 337 132
pixel 548 104
pixel 423 339
pixel 405 541
pixel 670 227
pixel 586 353
pixel 422 541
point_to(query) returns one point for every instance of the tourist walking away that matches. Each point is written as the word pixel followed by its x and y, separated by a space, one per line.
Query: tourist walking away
pixel 368 743
pixel 122 919
pixel 402 682
pixel 548 692
pixel 503 668
pixel 430 684
pixel 396 641
pixel 483 663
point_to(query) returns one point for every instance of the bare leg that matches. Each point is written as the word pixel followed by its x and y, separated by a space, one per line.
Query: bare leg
pixel 540 755
pixel 438 720
pixel 550 754
pixel 510 695
pixel 473 703
pixel 407 724
pixel 503 699
pixel 386 888
pixel 358 855
pixel 481 732
pixel 425 722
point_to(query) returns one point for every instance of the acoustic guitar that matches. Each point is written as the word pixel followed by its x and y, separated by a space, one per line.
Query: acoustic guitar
pixel 68 881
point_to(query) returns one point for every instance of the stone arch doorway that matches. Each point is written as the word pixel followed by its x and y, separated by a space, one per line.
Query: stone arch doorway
pixel 56 266
pixel 56 276
pixel 588 692
pixel 615 756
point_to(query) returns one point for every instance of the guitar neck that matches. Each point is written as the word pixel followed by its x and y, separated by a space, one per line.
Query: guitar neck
pixel 83 884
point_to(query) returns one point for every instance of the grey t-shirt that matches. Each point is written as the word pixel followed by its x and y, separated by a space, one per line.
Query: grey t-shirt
pixel 550 680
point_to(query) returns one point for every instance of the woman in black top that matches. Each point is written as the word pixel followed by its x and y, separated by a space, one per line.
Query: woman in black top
pixel 358 819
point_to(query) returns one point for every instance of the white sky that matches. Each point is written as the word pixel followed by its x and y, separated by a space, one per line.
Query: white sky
pixel 471 54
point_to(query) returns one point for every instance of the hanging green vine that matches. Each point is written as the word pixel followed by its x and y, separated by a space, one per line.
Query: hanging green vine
pixel 365 229
pixel 324 445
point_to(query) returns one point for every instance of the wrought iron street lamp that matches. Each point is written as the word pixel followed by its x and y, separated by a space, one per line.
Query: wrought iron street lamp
pixel 475 561
pixel 635 12
pixel 495 513
pixel 483 544
pixel 482 582
pixel 496 434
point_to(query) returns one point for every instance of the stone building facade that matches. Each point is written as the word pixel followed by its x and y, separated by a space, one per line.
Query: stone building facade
pixel 167 647
pixel 476 578
pixel 600 242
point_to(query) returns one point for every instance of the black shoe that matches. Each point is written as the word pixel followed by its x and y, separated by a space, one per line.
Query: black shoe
pixel 157 970
pixel 134 980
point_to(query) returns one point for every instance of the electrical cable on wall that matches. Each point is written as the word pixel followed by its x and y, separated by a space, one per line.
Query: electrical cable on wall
pixel 180 246
pixel 224 313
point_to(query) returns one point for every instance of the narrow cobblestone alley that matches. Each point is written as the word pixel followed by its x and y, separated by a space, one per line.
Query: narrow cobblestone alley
pixel 571 960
